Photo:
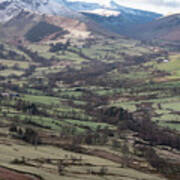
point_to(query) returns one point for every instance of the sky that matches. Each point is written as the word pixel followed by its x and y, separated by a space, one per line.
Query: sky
pixel 161 6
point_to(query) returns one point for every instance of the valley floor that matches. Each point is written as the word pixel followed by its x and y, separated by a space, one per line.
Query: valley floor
pixel 94 112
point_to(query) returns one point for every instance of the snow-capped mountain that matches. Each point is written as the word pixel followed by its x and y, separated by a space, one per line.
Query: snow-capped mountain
pixel 110 5
pixel 11 8
pixel 25 20
pixel 111 15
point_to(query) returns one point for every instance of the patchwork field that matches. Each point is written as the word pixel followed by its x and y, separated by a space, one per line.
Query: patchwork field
pixel 83 112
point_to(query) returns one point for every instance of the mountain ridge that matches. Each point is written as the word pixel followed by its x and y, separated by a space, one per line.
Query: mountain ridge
pixel 11 8
pixel 54 29
pixel 163 29
pixel 113 17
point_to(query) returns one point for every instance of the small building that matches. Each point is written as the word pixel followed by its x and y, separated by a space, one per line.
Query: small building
pixel 165 60
pixel 5 94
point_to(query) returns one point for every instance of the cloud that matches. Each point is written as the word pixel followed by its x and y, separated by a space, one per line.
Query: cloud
pixel 161 6
pixel 168 3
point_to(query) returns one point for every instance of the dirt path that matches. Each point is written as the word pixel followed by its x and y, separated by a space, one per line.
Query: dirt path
pixel 7 174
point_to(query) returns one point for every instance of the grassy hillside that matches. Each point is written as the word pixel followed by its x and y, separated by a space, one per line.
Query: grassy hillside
pixel 108 109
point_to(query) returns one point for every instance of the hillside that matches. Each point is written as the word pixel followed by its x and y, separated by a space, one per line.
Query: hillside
pixel 95 111
pixel 112 18
pixel 11 8
pixel 27 26
pixel 165 29
pixel 79 101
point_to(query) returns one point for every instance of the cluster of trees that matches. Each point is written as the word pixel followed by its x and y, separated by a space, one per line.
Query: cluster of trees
pixel 14 67
pixel 146 129
pixel 10 54
pixel 135 60
pixel 113 115
pixel 35 56
pixel 98 137
pixel 28 134
pixel 89 137
pixel 27 107
pixel 1 47
pixel 81 54
pixel 29 71
pixel 151 132
pixel 3 67
pixel 64 163
pixel 92 74
pixel 59 47
pixel 167 168
pixel 102 171
pixel 13 87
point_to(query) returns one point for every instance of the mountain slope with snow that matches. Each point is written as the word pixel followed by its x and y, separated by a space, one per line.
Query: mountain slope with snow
pixel 11 8
pixel 112 16
pixel 112 5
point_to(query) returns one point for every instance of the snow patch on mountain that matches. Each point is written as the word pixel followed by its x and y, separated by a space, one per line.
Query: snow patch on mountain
pixel 11 8
pixel 111 5
pixel 103 12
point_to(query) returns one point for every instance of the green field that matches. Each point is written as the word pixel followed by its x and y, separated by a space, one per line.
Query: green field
pixel 76 107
